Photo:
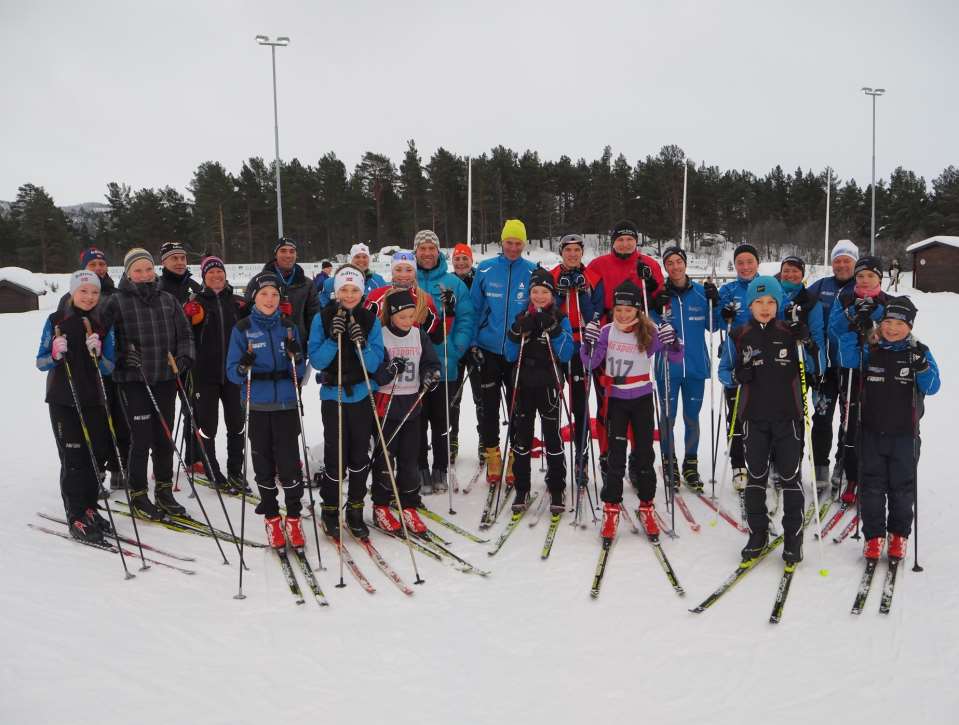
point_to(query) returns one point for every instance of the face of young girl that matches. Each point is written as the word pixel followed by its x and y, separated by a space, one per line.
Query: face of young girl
pixel 790 273
pixel 349 296
pixel 403 275
pixel 624 316
pixel 142 271
pixel 540 296
pixel 403 320
pixel 267 300
pixel 86 297
pixel 868 280
pixel 893 330
pixel 764 309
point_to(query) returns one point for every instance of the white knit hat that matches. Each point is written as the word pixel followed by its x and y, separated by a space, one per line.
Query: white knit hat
pixel 82 277
pixel 348 275
pixel 844 248
pixel 359 248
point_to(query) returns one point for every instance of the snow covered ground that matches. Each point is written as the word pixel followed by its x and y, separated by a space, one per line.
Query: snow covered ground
pixel 525 645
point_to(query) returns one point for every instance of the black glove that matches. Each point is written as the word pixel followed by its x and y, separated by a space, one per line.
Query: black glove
pixel 712 293
pixel 745 368
pixel 357 336
pixel 477 356
pixel 338 325
pixel 293 347
pixel 546 321
pixel 525 324
pixel 572 279
pixel 396 365
pixel 660 301
pixel 919 361
pixel 643 270
pixel 729 311
pixel 449 302
pixel 799 331
pixel 184 363
pixel 863 308
pixel 132 359
pixel 431 380
pixel 246 362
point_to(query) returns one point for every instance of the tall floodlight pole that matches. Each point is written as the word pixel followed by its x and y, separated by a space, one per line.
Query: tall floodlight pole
pixel 874 92
pixel 682 234
pixel 280 42
pixel 469 202
pixel 825 254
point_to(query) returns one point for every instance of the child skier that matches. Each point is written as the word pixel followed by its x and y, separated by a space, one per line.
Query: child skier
pixel 625 349
pixel 261 345
pixel 761 357
pixel 336 332
pixel 65 341
pixel 546 338
pixel 901 372
pixel 410 368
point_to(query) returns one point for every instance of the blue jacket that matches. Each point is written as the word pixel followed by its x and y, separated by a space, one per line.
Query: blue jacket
pixel 688 313
pixel 373 280
pixel 825 291
pixel 322 351
pixel 500 292
pixel 272 383
pixel 460 336
pixel 814 318
pixel 840 318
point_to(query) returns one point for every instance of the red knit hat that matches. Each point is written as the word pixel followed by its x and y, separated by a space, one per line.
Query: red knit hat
pixel 463 249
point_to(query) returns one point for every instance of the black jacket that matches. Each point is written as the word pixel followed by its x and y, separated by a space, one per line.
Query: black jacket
pixel 302 296
pixel 181 286
pixel 352 368
pixel 221 311
pixel 70 323
pixel 774 393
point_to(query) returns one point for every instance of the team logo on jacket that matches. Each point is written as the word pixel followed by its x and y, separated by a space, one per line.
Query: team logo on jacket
pixel 783 352
pixel 903 372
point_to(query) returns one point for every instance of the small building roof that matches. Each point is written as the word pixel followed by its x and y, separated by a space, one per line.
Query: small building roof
pixel 945 240
pixel 23 278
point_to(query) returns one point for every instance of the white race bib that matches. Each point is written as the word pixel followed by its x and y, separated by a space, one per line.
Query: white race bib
pixel 407 382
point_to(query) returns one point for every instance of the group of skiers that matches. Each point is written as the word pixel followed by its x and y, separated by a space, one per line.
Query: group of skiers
pixel 393 359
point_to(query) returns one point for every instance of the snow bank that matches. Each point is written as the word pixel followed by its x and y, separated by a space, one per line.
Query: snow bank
pixel 23 277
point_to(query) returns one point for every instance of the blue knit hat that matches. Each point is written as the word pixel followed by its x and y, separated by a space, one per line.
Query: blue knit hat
pixel 762 286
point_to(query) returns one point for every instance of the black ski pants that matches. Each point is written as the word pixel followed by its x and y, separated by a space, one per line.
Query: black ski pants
pixel 120 426
pixel 576 399
pixel 432 428
pixel 496 375
pixel 737 458
pixel 357 429
pixel 888 474
pixel 403 454
pixel 79 485
pixel 829 396
pixel 207 398
pixel 782 442
pixel 620 415
pixel 530 401
pixel 476 390
pixel 274 445
pixel 850 440
pixel 147 434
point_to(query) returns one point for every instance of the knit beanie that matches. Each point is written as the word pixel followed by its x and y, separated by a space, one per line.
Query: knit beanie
pixel 283 242
pixel 745 249
pixel 170 248
pixel 135 255
pixel 348 275
pixel 463 249
pixel 672 251
pixel 844 248
pixel 761 287
pixel 628 295
pixel 259 282
pixel 359 248
pixel 513 229
pixel 402 257
pixel 795 262
pixel 399 300
pixel 900 308
pixel 82 277
pixel 88 255
pixel 624 228
pixel 209 263
pixel 541 278
pixel 427 236
pixel 869 264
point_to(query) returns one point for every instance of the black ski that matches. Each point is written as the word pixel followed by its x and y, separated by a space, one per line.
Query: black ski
pixel 125 539
pixel 781 593
pixel 600 567
pixel 889 586
pixel 310 577
pixel 667 567
pixel 865 584
pixel 433 516
pixel 550 535
pixel 289 575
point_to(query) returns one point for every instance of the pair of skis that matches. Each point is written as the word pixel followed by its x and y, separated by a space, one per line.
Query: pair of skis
pixel 865 584
pixel 299 554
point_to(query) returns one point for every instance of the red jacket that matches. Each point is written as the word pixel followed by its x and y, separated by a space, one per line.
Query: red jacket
pixel 573 312
pixel 614 271
pixel 431 325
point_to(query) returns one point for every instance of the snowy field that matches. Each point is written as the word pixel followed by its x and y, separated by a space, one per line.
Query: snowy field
pixel 527 644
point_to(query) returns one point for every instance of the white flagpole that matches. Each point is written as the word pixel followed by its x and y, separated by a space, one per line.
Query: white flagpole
pixel 825 255
pixel 682 235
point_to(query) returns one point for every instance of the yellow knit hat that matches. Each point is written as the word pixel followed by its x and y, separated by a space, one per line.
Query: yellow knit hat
pixel 513 229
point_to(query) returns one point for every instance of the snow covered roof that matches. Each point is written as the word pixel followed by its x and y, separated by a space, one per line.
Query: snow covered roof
pixel 948 241
pixel 22 277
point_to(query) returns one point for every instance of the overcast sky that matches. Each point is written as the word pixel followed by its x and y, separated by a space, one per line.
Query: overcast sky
pixel 142 92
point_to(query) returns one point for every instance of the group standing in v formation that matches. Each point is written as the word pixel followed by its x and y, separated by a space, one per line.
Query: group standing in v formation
pixel 528 340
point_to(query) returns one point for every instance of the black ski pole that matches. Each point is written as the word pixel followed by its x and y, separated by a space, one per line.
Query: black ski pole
pixel 246 450
pixel 915 474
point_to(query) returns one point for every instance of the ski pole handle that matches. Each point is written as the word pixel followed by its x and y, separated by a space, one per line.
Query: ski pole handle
pixel 171 361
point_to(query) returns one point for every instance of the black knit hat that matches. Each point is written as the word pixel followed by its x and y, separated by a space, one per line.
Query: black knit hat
pixel 869 264
pixel 900 308
pixel 674 250
pixel 624 228
pixel 628 294
pixel 258 282
pixel 399 300
pixel 283 242
pixel 745 249
pixel 795 262
pixel 542 278
pixel 171 247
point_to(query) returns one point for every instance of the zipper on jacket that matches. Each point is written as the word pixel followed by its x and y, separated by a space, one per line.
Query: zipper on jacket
pixel 509 284
pixel 223 345
pixel 276 396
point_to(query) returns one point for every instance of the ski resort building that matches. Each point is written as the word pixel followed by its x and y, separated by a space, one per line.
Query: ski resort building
pixel 934 264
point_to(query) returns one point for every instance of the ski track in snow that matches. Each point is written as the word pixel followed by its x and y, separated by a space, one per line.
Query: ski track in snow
pixel 527 644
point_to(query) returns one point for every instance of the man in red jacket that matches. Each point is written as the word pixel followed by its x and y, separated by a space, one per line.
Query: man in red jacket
pixel 626 262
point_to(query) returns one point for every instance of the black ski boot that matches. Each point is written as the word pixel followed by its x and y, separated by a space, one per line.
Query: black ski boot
pixel 354 520
pixel 754 547
pixel 481 452
pixel 238 483
pixel 92 518
pixel 520 502
pixel 144 507
pixel 426 481
pixel 691 475
pixel 582 476
pixel 792 548
pixel 330 517
pixel 165 500
pixel 87 533
pixel 672 473
pixel 557 501
pixel 117 481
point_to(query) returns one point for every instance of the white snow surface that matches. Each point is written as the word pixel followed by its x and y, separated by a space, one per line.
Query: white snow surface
pixel 527 644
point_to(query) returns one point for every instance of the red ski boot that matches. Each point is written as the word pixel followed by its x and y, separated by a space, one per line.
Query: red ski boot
pixel 610 520
pixel 274 532
pixel 413 521
pixel 385 519
pixel 294 532
pixel 849 495
pixel 897 546
pixel 873 548
pixel 647 518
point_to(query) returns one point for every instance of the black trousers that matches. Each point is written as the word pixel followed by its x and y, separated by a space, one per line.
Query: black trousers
pixel 736 457
pixel 830 394
pixel 274 445
pixel 357 429
pixel 782 442
pixel 120 426
pixel 432 428
pixel 207 398
pixel 888 475
pixel 191 453
pixel 576 399
pixel 620 415
pixel 403 454
pixel 147 436
pixel 497 375
pixel 476 390
pixel 79 485
pixel 545 401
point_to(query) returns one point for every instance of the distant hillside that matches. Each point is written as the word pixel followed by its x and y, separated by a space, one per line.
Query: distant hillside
pixel 73 211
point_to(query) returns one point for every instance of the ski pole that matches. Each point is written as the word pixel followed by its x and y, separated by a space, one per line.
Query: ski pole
pixel 915 474
pixel 306 452
pixel 116 451
pixel 509 418
pixel 169 436
pixel 389 463
pixel 446 393
pixel 729 460
pixel 339 448
pixel 569 417
pixel 656 412
pixel 246 451
pixel 858 448
pixel 712 401
pixel 198 437
pixel 93 456
pixel 823 571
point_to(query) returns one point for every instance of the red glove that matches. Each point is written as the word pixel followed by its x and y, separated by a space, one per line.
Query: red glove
pixel 286 308
pixel 194 312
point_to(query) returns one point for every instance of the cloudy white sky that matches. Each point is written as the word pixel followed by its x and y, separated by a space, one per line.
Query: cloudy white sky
pixel 141 92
